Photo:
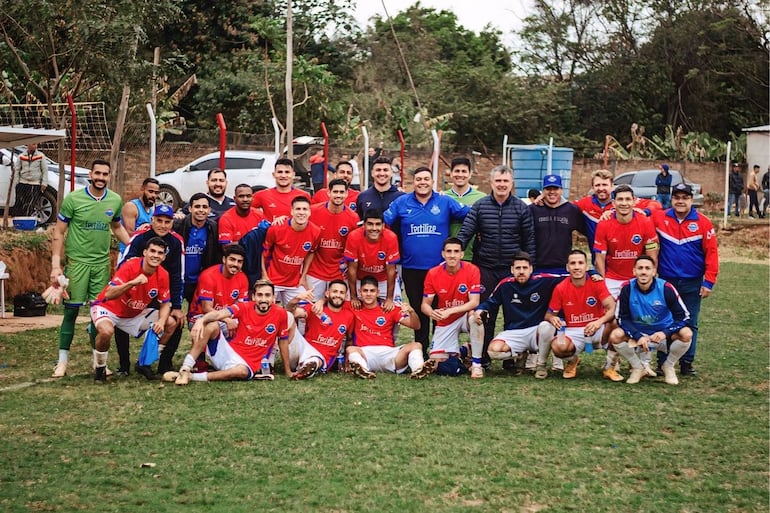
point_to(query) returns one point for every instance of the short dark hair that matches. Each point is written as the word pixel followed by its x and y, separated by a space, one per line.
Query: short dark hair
pixel 156 182
pixel 215 170
pixel 452 240
pixel 100 162
pixel 381 160
pixel 623 188
pixel 284 162
pixel 344 163
pixel 243 186
pixel 521 255
pixel 422 169
pixel 338 181
pixel 577 251
pixel 533 193
pixel 199 196
pixel 300 199
pixel 338 282
pixel 369 280
pixel 156 241
pixel 645 257
pixel 460 161
pixel 262 283
pixel 373 213
pixel 234 249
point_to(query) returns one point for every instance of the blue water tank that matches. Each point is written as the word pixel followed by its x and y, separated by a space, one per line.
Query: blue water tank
pixel 530 165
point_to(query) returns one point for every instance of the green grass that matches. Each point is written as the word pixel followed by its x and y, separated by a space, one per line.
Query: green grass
pixel 510 444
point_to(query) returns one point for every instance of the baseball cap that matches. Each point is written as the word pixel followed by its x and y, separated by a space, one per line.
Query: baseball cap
pixel 664 167
pixel 163 210
pixel 682 187
pixel 551 181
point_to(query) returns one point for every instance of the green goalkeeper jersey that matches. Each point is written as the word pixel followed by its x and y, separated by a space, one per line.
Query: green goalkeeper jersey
pixel 88 220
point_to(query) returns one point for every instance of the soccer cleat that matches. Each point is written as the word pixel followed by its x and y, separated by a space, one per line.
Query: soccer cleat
pixel 107 371
pixel 612 375
pixel 360 372
pixel 170 376
pixel 426 370
pixel 531 361
pixel 649 370
pixel 541 372
pixel 146 371
pixel 100 375
pixel 60 370
pixel 686 369
pixel 570 369
pixel 636 376
pixel 184 376
pixel 308 369
pixel 477 371
pixel 669 374
pixel 558 364
pixel 123 373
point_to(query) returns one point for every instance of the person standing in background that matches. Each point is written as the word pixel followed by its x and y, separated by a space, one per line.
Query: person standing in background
pixel 663 185
pixel 735 189
pixel 753 190
pixel 32 179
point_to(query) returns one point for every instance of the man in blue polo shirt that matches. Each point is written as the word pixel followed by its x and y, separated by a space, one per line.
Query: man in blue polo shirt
pixel 424 217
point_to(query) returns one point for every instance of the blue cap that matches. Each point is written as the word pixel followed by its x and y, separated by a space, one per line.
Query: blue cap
pixel 163 210
pixel 551 181
pixel 664 167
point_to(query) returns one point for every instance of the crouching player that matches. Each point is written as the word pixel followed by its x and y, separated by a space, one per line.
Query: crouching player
pixel 325 333
pixel 651 315
pixel 456 288
pixel 130 302
pixel 524 299
pixel 261 325
pixel 587 308
pixel 374 349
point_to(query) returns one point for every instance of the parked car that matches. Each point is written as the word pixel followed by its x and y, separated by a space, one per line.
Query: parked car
pixel 643 183
pixel 252 167
pixel 45 208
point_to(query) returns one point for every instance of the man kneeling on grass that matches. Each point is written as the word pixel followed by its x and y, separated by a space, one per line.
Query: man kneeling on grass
pixel 261 324
pixel 137 295
pixel 374 349
pixel 651 315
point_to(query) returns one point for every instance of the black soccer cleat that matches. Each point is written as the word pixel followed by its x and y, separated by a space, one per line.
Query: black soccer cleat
pixel 100 375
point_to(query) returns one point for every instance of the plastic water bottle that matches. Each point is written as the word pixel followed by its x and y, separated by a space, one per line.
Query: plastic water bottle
pixel 561 334
pixel 589 347
pixel 265 367
pixel 340 363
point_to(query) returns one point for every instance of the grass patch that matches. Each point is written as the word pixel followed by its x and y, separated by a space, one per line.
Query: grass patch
pixel 392 444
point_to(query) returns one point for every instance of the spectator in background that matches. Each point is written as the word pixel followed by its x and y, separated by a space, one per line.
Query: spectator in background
pixel 765 191
pixel 317 170
pixel 532 196
pixel 753 191
pixel 735 189
pixel 219 203
pixel 32 179
pixel 663 186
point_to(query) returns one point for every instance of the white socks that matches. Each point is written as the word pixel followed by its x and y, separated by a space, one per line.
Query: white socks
pixel 64 355
pixel 100 358
pixel 355 357
pixel 477 338
pixel 415 360
pixel 676 350
pixel 189 362
pixel 199 376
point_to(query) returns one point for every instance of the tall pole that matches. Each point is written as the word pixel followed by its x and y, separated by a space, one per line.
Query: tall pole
pixel 289 92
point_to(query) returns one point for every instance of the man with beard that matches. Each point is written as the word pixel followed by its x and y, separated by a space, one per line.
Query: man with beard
pixel 216 182
pixel 138 212
pixel 326 333
pixel 238 221
pixel 86 218
pixel 276 202
pixel 596 204
pixel 344 171
pixel 261 325
pixel 382 191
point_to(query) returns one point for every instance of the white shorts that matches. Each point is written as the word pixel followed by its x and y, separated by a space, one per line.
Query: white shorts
pixel 613 286
pixel 301 351
pixel 222 325
pixel 318 286
pixel 579 338
pixel 285 294
pixel 446 339
pixel 519 340
pixel 134 326
pixel 224 357
pixel 382 358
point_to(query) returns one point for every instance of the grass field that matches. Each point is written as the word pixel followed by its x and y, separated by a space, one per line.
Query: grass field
pixel 508 444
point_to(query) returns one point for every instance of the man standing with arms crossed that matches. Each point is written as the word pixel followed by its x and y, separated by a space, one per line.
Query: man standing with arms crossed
pixel 86 218
pixel 688 260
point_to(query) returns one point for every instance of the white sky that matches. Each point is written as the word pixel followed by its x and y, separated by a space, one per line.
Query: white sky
pixel 506 15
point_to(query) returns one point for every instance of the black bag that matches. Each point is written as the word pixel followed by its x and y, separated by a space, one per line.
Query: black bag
pixel 29 304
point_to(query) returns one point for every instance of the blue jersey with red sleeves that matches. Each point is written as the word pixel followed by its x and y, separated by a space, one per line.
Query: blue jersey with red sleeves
pixel 688 247
pixel 645 312
pixel 524 304
pixel 452 289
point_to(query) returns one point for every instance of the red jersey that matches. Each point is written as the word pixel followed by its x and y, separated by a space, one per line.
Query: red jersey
pixel 257 334
pixel 328 338
pixel 452 289
pixel 274 203
pixel 322 196
pixel 233 226
pixel 285 252
pixel 221 291
pixel 622 243
pixel 334 232
pixel 580 305
pixel 135 300
pixel 374 327
pixel 372 257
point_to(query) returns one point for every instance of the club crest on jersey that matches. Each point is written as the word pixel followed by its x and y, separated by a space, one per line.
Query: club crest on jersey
pixel 462 288
pixel 534 297
pixel 234 294
pixel 153 293
pixel 380 321
pixel 693 227
pixel 435 210
pixel 342 329
pixel 636 238
pixel 306 245
pixel 591 301
pixel 380 255
pixel 109 212
pixel 270 329
pixel 352 206
pixel 344 230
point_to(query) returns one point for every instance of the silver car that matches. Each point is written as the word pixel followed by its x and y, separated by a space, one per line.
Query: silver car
pixel 643 184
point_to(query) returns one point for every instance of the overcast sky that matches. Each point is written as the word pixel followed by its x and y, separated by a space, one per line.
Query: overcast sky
pixel 505 15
